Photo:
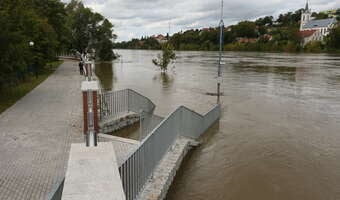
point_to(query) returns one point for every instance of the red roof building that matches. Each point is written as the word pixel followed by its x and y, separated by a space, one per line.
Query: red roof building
pixel 307 33
pixel 309 36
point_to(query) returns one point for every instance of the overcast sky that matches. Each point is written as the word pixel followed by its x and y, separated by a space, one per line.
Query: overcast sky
pixel 136 18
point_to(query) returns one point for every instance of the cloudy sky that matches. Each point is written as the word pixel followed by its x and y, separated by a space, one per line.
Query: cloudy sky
pixel 136 18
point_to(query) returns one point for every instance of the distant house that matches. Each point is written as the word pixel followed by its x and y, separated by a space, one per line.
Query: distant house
pixel 160 38
pixel 267 37
pixel 246 40
pixel 207 29
pixel 309 36
pixel 316 29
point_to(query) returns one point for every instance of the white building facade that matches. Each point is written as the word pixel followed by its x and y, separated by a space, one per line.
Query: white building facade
pixel 322 27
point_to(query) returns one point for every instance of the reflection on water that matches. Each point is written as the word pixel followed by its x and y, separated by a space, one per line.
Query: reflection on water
pixel 104 71
pixel 131 132
pixel 165 79
pixel 285 72
pixel 279 135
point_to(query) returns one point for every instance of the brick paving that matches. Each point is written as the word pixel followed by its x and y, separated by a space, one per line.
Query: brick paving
pixel 35 136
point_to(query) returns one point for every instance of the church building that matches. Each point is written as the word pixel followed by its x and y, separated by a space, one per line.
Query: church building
pixel 314 30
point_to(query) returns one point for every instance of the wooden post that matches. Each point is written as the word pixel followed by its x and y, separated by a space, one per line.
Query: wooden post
pixel 95 111
pixel 90 111
pixel 85 110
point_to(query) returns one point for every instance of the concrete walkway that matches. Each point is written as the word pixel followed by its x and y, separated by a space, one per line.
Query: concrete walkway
pixel 92 174
pixel 35 136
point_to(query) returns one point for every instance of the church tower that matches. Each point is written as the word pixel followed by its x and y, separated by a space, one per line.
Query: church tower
pixel 306 16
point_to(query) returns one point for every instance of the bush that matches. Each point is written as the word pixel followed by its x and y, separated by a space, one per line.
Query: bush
pixel 314 47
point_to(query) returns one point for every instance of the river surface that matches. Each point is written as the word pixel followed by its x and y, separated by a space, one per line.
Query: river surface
pixel 279 135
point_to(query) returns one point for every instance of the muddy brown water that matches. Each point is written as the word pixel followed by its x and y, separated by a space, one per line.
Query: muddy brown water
pixel 279 135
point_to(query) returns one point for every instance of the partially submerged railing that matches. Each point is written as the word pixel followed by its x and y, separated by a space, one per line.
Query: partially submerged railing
pixel 138 167
pixel 115 103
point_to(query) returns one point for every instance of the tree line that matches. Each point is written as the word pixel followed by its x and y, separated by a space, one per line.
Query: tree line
pixel 33 32
pixel 263 34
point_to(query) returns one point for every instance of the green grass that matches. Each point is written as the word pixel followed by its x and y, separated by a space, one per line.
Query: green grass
pixel 13 94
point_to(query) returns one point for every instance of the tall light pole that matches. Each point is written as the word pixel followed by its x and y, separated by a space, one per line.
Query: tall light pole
pixel 219 72
pixel 31 45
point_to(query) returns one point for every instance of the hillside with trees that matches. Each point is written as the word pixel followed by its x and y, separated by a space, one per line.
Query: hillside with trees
pixel 263 34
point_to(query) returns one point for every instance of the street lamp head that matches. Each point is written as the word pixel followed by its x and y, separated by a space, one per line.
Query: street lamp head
pixel 31 44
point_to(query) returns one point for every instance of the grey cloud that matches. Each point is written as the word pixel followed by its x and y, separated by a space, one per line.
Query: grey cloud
pixel 136 18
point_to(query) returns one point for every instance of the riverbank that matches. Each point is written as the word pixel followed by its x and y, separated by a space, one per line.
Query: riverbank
pixel 243 48
pixel 11 95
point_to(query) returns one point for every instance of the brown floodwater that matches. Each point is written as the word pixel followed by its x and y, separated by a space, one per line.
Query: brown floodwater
pixel 279 134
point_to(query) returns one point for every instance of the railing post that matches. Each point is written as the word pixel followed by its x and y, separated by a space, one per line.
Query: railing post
pixel 140 125
pixel 128 100
pixel 90 111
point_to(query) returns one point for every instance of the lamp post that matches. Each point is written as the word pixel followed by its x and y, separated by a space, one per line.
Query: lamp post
pixel 31 45
pixel 219 72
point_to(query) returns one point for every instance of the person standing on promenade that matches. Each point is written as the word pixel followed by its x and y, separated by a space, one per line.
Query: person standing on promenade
pixel 81 69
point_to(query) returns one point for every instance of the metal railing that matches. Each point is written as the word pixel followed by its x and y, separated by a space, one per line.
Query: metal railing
pixel 115 103
pixel 194 124
pixel 139 166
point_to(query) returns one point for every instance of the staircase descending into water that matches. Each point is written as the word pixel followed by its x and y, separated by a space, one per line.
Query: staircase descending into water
pixel 146 166
pixel 159 136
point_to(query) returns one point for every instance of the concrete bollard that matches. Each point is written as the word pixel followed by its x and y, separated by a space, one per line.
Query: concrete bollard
pixel 90 111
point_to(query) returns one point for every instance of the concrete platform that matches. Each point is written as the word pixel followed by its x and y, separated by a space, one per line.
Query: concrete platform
pixel 92 173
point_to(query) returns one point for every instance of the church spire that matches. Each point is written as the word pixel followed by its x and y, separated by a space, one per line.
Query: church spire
pixel 307 7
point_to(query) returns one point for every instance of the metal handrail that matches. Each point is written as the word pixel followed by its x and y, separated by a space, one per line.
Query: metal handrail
pixel 140 164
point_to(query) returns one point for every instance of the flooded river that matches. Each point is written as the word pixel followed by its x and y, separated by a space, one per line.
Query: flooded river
pixel 279 136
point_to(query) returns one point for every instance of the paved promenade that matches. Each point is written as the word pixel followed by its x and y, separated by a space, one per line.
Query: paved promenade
pixel 35 136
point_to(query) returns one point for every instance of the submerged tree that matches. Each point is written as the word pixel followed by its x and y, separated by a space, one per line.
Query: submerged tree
pixel 165 58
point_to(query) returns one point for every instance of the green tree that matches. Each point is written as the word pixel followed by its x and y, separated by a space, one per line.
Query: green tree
pixel 165 58
pixel 314 47
pixel 55 13
pixel 319 15
pixel 337 14
pixel 268 20
pixel 245 29
pixel 21 24
pixel 333 39
pixel 90 30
